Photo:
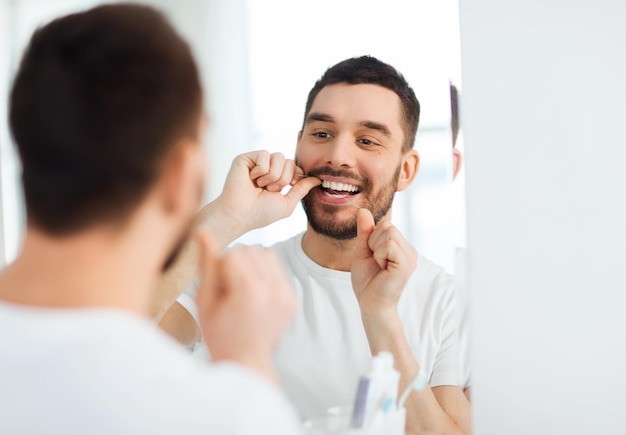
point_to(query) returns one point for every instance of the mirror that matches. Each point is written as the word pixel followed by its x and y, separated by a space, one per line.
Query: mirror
pixel 259 60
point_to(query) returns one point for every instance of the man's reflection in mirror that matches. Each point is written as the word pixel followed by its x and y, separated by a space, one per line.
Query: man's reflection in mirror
pixel 362 288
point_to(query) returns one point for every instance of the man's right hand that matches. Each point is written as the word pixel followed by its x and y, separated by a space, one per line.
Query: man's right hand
pixel 245 302
pixel 252 196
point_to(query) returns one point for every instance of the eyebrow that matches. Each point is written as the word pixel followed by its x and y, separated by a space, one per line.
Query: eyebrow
pixel 323 117
pixel 376 126
pixel 316 116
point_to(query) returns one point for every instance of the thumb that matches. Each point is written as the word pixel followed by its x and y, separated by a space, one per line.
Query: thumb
pixel 300 190
pixel 364 227
pixel 207 264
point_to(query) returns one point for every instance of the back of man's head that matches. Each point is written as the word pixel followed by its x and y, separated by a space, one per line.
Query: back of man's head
pixel 99 100
pixel 370 70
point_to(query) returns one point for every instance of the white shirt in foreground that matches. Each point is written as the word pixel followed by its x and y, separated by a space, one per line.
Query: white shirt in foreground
pixel 105 371
pixel 323 353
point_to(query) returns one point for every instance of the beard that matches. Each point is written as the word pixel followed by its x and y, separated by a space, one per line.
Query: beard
pixel 178 248
pixel 324 219
pixel 185 236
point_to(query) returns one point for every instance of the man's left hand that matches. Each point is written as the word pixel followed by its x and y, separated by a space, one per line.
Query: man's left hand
pixel 384 261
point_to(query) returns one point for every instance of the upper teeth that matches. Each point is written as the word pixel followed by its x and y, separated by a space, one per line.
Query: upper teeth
pixel 339 186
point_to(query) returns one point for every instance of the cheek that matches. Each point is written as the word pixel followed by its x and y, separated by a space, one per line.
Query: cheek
pixel 375 169
pixel 379 166
pixel 303 159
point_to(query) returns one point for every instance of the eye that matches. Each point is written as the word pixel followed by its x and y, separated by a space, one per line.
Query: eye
pixel 366 142
pixel 322 134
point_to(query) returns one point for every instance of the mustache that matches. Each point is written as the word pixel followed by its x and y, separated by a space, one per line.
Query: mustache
pixel 343 173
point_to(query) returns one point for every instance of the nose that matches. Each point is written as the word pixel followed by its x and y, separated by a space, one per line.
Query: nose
pixel 340 152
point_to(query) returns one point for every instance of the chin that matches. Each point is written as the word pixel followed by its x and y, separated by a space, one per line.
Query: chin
pixel 323 220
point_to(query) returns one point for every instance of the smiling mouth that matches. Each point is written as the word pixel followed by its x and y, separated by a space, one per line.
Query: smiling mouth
pixel 339 190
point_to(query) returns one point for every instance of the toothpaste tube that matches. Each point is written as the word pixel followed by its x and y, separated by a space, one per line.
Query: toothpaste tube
pixel 377 392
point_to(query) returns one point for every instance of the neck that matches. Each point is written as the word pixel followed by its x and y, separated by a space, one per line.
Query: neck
pixel 95 268
pixel 328 252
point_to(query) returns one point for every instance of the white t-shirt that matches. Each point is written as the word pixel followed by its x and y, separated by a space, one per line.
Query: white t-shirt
pixel 106 371
pixel 323 353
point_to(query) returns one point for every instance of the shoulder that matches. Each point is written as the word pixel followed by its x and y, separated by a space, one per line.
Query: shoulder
pixel 288 246
pixel 431 274
pixel 430 286
pixel 285 247
pixel 240 400
pixel 124 375
pixel 289 251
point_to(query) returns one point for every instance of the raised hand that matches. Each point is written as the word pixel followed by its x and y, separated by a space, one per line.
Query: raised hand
pixel 252 194
pixel 252 198
pixel 245 302
pixel 384 261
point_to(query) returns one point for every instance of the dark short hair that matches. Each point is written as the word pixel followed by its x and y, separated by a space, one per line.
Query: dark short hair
pixel 99 99
pixel 454 113
pixel 369 70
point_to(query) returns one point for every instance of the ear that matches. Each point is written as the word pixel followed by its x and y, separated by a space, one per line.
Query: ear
pixel 457 161
pixel 408 169
pixel 183 178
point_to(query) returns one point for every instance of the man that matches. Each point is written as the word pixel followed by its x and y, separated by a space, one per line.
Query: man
pixel 359 127
pixel 106 112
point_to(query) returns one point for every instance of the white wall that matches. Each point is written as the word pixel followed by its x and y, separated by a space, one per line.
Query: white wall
pixel 543 109
pixel 217 32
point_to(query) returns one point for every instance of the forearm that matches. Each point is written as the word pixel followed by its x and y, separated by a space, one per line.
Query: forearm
pixel 243 205
pixel 224 229
pixel 181 325
pixel 224 225
pixel 174 281
pixel 424 412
